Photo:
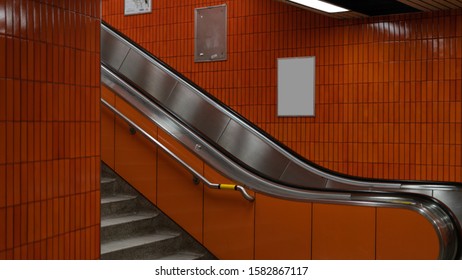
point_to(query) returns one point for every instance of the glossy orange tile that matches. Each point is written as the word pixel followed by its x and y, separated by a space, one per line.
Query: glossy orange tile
pixel 3 142
pixel 219 233
pixel 135 116
pixel 55 248
pixel 175 186
pixel 37 222
pixel 343 232
pixel 14 190
pixel 31 181
pixel 49 249
pixel 3 186
pixel 3 60
pixel 78 249
pixel 43 220
pixel 3 229
pixel 108 95
pixel 88 210
pixel 88 139
pixel 72 209
pixel 9 227
pixel 135 159
pixel 36 99
pixel 403 234
pixel 30 223
pixel 289 225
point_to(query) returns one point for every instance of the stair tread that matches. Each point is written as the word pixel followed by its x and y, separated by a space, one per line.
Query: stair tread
pixel 134 228
pixel 135 241
pixel 116 198
pixel 181 256
pixel 126 218
pixel 105 180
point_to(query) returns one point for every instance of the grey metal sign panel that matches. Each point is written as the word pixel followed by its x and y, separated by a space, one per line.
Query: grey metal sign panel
pixel 210 34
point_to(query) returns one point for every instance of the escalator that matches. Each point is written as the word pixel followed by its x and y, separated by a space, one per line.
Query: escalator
pixel 245 154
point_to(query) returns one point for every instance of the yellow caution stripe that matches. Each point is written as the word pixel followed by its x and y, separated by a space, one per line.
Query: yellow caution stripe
pixel 227 187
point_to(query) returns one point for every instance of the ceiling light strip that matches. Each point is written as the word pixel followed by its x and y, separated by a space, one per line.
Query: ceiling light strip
pixel 320 5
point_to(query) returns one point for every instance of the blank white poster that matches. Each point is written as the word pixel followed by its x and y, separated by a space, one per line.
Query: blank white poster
pixel 296 89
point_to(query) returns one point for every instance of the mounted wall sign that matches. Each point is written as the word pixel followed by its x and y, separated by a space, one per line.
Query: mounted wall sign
pixel 210 34
pixel 135 7
pixel 296 89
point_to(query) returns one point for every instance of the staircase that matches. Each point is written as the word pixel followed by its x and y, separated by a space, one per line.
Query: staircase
pixel 134 229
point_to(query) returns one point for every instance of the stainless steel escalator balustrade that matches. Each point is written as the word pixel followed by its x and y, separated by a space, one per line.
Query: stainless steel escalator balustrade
pixel 186 114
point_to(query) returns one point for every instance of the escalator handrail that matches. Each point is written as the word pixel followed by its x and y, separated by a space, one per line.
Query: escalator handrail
pixel 330 175
pixel 437 214
pixel 196 174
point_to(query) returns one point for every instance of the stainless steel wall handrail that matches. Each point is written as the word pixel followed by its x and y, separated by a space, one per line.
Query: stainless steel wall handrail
pixel 195 173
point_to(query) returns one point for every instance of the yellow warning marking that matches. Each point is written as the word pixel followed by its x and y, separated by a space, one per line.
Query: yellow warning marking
pixel 227 187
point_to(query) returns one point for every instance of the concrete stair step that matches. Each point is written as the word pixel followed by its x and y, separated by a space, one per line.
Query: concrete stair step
pixel 108 186
pixel 139 247
pixel 181 256
pixel 126 218
pixel 107 180
pixel 116 198
pixel 128 224
pixel 118 203
pixel 132 228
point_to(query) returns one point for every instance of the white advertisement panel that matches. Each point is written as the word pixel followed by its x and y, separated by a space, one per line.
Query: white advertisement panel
pixel 296 86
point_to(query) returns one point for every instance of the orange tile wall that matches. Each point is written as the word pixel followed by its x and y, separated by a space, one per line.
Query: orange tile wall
pixel 49 129
pixel 388 89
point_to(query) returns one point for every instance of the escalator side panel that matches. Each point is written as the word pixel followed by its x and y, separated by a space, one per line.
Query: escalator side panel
pixel 251 150
pixel 296 175
pixel 147 76
pixel 113 50
pixel 428 208
pixel 282 229
pixel 404 235
pixel 198 113
pixel 343 232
